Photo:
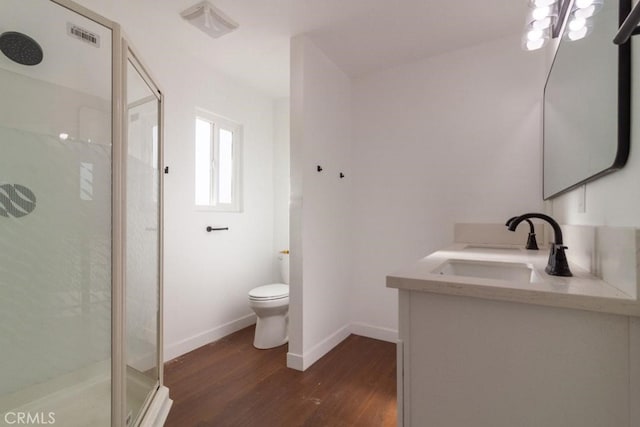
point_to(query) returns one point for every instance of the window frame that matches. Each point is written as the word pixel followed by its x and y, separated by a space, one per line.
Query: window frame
pixel 218 122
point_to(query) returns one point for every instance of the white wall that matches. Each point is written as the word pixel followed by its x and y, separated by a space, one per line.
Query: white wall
pixel 451 138
pixel 320 204
pixel 207 275
pixel 613 200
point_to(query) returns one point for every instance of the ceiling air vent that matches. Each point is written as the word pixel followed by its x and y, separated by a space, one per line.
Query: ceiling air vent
pixel 209 19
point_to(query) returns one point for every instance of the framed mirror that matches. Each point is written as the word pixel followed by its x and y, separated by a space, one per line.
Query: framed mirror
pixel 587 101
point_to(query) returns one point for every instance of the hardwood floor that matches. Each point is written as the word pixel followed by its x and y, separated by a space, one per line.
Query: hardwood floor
pixel 230 383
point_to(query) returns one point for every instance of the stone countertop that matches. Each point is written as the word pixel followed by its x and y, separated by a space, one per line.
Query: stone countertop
pixel 583 291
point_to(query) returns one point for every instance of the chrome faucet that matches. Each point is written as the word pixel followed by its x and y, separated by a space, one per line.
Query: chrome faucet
pixel 557 265
pixel 532 243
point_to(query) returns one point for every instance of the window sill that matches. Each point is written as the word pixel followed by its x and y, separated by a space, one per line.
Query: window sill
pixel 221 209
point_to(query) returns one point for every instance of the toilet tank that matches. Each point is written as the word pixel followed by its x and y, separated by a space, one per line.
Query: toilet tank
pixel 283 257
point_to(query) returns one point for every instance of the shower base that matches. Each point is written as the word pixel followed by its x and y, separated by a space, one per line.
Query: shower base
pixel 81 405
pixel 86 403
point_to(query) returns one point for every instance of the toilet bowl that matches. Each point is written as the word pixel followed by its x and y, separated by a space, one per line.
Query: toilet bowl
pixel 271 305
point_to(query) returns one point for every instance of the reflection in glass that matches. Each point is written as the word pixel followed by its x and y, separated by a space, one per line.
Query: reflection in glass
pixel 586 107
pixel 142 243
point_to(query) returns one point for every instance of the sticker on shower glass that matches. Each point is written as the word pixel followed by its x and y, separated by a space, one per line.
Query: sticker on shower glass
pixel 16 200
pixel 83 34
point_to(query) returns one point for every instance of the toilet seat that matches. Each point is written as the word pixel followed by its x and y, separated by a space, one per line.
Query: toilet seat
pixel 270 292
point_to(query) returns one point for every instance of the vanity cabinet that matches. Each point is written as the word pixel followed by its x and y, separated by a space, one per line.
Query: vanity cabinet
pixel 481 347
pixel 466 361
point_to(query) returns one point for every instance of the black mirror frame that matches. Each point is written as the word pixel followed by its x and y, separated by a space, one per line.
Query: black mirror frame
pixel 624 108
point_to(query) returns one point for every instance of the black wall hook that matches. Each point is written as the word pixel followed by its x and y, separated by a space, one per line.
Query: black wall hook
pixel 341 175
pixel 319 168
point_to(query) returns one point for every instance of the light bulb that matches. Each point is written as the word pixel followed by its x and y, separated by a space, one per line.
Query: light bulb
pixel 535 34
pixel 63 136
pixel 541 12
pixel 581 4
pixel 577 24
pixel 577 35
pixel 542 3
pixel 534 44
pixel 541 24
pixel 585 13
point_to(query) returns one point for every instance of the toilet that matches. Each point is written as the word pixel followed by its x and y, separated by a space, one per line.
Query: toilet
pixel 271 305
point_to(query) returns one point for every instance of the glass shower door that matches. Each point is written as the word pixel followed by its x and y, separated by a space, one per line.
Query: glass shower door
pixel 80 215
pixel 55 216
pixel 143 241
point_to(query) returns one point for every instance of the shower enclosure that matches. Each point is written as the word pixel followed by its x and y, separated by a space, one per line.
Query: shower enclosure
pixel 80 222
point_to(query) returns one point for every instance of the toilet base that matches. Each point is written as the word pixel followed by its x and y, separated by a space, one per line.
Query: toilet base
pixel 271 331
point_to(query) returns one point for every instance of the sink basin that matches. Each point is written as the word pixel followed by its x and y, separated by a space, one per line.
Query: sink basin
pixel 509 271
pixel 487 248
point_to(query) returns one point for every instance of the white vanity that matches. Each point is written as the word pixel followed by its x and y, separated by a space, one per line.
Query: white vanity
pixel 488 339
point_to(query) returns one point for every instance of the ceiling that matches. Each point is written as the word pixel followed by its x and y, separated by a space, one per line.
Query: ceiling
pixel 360 36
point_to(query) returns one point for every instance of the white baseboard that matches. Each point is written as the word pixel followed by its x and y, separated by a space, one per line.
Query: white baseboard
pixel 295 361
pixel 302 362
pixel 375 332
pixel 186 345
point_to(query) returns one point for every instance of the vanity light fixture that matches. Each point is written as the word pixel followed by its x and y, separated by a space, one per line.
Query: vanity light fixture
pixel 545 19
pixel 579 23
pixel 541 19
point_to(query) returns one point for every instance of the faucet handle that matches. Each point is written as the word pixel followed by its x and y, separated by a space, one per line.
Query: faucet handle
pixel 558 264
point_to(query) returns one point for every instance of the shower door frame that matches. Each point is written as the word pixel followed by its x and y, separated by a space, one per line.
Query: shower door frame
pixel 158 403
pixel 129 54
